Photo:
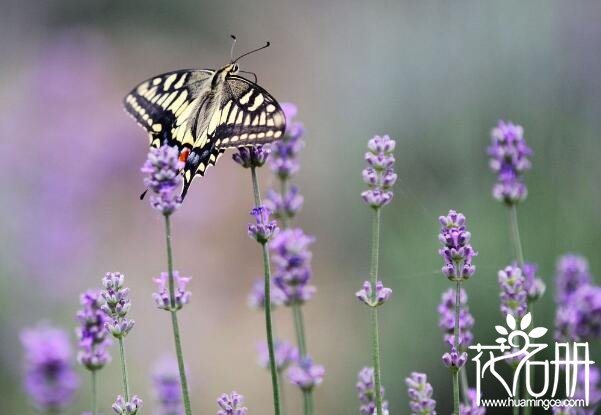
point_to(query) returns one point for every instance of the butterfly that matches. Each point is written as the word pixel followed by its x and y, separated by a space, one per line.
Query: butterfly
pixel 204 112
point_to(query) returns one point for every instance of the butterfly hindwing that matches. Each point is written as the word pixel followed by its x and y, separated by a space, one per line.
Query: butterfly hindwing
pixel 163 104
pixel 249 115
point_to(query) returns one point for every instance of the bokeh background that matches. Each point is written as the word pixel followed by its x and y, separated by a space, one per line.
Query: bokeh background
pixel 436 76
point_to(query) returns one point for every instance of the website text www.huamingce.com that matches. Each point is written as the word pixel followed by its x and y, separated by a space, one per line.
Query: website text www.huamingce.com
pixel 534 403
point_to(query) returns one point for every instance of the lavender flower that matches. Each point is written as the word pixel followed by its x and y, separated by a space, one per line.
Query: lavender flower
pixel 514 297
pixel 367 296
pixel 420 395
pixel 253 156
pixel 167 387
pixel 117 304
pixel 572 272
pixel 285 354
pixel 454 358
pixel 50 380
pixel 284 206
pixel 256 297
pixel 534 286
pixel 456 251
pixel 594 390
pixel 231 404
pixel 292 260
pixel 162 298
pixel 472 407
pixel 121 407
pixel 564 410
pixel 265 228
pixel 283 160
pixel 579 319
pixel 367 394
pixel 306 374
pixel 379 175
pixel 446 309
pixel 163 167
pixel 92 333
pixel 509 159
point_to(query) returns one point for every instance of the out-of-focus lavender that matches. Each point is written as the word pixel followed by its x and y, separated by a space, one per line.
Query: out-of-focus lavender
pixel 283 161
pixel 471 408
pixel 256 297
pixel 379 175
pixel 446 322
pixel 167 387
pixel 78 131
pixel 509 159
pixel 571 273
pixel 285 354
pixel 91 332
pixel 232 404
pixel 367 393
pixel 49 378
pixel 292 265
pixel 456 251
pixel 420 395
pixel 594 391
pixel 162 298
pixel 123 407
pixel 534 285
pixel 284 206
pixel 306 374
pixel 579 319
pixel 514 297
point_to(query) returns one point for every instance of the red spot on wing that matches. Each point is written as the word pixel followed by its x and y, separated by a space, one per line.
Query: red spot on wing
pixel 183 155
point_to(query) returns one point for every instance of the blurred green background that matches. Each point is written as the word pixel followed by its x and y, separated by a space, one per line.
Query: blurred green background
pixel 436 76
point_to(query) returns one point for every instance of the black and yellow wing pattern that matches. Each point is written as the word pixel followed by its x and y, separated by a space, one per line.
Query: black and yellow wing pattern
pixel 204 112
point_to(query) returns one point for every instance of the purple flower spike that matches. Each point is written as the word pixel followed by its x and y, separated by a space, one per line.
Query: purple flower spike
pixel 382 294
pixel 306 374
pixel 446 309
pixel 163 178
pixel 454 359
pixel 256 298
pixel 579 319
pixel 514 297
pixel 285 354
pixel 472 407
pixel 379 175
pixel 286 206
pixel 265 228
pixel 254 156
pixel 420 395
pixel 366 390
pixel 231 404
pixel 572 272
pixel 509 159
pixel 535 287
pixel 456 251
pixel 49 379
pixel 91 332
pixel 121 407
pixel 167 387
pixel 292 261
pixel 117 304
pixel 284 159
pixel 161 297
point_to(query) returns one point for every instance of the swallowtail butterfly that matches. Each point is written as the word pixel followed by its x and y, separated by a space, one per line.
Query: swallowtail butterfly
pixel 204 112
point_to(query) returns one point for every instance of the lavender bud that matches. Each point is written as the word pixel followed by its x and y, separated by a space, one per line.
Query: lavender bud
pixel 253 156
pixel 162 298
pixel 379 175
pixel 366 390
pixel 420 395
pixel 456 250
pixel 121 407
pixel 231 404
pixel 265 228
pixel 163 178
pixel 306 374
pixel 382 294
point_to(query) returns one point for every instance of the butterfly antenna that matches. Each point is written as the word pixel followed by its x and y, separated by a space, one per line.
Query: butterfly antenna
pixel 266 45
pixel 234 39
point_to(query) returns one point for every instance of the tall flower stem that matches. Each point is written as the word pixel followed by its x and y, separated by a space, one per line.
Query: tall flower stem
pixel 456 370
pixel 124 370
pixel 174 322
pixel 94 393
pixel 519 255
pixel 375 338
pixel 464 386
pixel 268 321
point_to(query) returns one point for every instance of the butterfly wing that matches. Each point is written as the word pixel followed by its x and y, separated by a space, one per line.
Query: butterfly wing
pixel 249 115
pixel 164 104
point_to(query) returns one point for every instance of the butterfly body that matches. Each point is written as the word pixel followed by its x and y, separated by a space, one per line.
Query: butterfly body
pixel 204 112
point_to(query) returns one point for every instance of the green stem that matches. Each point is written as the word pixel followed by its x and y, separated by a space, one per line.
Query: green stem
pixel 174 322
pixel 94 395
pixel 299 327
pixel 375 335
pixel 456 370
pixel 464 386
pixel 516 409
pixel 124 369
pixel 307 402
pixel 268 321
